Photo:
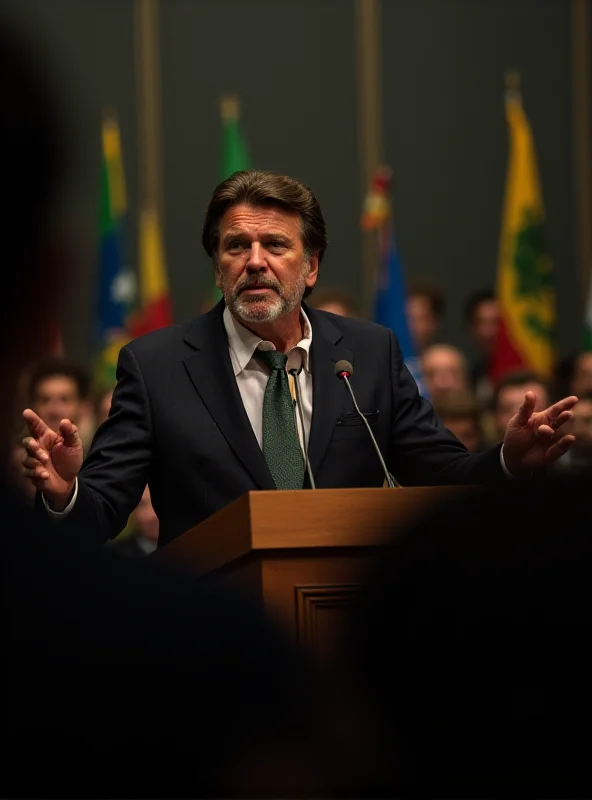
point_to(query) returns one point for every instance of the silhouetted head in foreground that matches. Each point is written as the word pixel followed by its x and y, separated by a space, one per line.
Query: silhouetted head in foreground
pixel 474 645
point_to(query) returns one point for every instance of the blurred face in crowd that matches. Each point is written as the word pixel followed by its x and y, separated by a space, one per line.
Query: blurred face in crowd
pixel 484 325
pixel 466 430
pixel 511 398
pixel 144 518
pixel 423 323
pixel 334 308
pixel 443 370
pixel 261 266
pixel 56 398
pixel 103 407
pixel 582 375
pixel 581 426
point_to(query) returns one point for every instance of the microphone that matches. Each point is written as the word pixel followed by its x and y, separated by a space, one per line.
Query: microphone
pixel 294 373
pixel 344 371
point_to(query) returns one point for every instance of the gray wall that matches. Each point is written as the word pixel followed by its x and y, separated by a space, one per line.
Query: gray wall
pixel 292 62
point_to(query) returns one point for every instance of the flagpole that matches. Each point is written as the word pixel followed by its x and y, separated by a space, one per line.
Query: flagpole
pixel 582 131
pixel 369 86
pixel 149 106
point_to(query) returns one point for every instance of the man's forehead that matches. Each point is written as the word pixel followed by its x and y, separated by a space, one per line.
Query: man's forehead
pixel 245 217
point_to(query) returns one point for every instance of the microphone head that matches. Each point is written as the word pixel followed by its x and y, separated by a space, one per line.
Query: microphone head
pixel 344 368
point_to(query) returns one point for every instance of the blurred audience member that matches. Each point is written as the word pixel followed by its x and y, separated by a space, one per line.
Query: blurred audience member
pixel 102 405
pixel 482 318
pixel 142 537
pixel 336 301
pixel 59 389
pixel 579 456
pixel 444 369
pixel 425 308
pixel 460 413
pixel 509 396
pixel 581 379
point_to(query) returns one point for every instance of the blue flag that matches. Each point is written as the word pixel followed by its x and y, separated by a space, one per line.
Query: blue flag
pixel 390 309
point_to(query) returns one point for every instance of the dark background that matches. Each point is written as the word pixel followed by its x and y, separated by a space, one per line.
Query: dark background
pixel 293 65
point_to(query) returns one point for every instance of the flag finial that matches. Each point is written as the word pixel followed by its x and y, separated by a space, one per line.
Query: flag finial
pixel 513 83
pixel 229 107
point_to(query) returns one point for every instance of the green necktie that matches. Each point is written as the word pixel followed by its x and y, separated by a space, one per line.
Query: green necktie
pixel 281 445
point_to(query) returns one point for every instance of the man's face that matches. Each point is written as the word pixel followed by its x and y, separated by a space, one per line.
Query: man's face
pixel 443 372
pixel 484 325
pixel 582 377
pixel 261 266
pixel 57 398
pixel 466 431
pixel 422 321
pixel 511 398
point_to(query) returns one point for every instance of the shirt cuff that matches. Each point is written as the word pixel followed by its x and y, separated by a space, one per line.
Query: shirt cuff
pixel 505 470
pixel 69 507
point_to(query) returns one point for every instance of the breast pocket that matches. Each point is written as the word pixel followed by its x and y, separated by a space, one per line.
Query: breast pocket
pixel 351 426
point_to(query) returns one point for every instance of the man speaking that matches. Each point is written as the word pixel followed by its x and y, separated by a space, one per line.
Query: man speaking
pixel 246 396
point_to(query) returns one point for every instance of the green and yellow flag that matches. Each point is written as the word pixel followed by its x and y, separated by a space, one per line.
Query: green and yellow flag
pixel 234 155
pixel 525 290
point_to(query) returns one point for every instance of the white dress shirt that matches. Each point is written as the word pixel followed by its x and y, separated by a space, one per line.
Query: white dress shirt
pixel 251 375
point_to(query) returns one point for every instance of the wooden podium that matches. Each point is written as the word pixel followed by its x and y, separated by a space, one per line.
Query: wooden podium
pixel 302 553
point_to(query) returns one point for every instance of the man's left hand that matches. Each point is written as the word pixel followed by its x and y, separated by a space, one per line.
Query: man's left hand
pixel 534 440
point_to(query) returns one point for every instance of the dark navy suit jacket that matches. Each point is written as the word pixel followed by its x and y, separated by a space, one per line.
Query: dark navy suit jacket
pixel 177 422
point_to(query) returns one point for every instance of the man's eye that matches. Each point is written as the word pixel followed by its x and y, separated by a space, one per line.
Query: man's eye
pixel 235 245
pixel 276 243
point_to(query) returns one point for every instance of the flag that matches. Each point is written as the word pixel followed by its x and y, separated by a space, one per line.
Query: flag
pixel 390 295
pixel 525 292
pixel 389 309
pixel 155 309
pixel 116 284
pixel 234 154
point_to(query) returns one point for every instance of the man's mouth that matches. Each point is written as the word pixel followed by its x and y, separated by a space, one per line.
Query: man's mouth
pixel 256 289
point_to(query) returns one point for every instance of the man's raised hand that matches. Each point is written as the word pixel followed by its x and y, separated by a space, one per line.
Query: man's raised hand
pixel 52 460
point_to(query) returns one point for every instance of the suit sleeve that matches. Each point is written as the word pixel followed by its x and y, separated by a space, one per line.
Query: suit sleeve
pixel 116 471
pixel 422 452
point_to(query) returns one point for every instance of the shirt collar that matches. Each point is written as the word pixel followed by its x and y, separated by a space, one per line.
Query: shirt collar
pixel 242 342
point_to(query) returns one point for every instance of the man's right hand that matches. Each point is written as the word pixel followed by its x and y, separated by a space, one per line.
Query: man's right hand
pixel 53 459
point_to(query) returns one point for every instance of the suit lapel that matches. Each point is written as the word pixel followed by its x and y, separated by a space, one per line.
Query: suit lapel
pixel 210 370
pixel 328 392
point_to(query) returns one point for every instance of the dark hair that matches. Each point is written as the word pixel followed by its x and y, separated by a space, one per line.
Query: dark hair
pixel 53 367
pixel 432 294
pixel 32 139
pixel 518 378
pixel 260 188
pixel 475 300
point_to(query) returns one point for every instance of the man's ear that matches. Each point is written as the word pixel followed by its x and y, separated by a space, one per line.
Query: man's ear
pixel 313 271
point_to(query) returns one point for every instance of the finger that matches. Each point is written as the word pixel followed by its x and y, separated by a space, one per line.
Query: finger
pixel 566 404
pixel 69 432
pixel 564 417
pixel 559 448
pixel 34 449
pixel 525 411
pixel 35 424
pixel 545 431
pixel 38 473
pixel 31 463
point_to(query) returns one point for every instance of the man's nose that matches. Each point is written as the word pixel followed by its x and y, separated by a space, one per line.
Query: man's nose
pixel 256 261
